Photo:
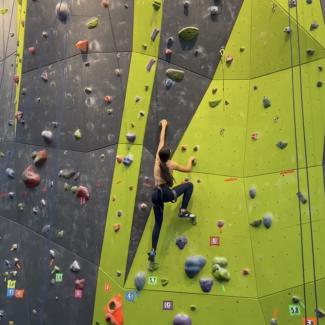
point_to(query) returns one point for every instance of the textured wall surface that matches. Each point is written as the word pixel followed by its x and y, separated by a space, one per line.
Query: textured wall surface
pixel 249 105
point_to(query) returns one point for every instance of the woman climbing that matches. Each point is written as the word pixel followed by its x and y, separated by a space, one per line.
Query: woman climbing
pixel 164 190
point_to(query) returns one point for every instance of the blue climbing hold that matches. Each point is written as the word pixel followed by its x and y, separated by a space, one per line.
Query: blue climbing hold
pixel 252 193
pixel 181 242
pixel 140 280
pixel 169 83
pixel 193 265
pixel 267 221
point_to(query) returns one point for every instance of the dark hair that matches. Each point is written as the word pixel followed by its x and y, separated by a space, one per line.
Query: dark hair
pixel 164 156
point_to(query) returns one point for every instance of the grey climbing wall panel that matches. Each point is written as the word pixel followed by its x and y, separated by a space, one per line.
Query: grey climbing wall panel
pixel 201 54
pixel 178 104
pixel 140 216
pixel 63 100
pixel 60 38
pixel 7 97
pixel 48 302
pixel 52 207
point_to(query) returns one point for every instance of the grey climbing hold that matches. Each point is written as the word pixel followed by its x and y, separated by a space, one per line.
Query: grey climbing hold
pixel 46 229
pixel 214 10
pixel 130 137
pixel 182 319
pixel 221 261
pixel 11 195
pixel 169 83
pixel 10 173
pixel 62 11
pixel 45 76
pixel 188 33
pixel 150 64
pixel 266 102
pixel 175 74
pixel 75 267
pixel 267 221
pixel 313 26
pixel 52 253
pixel 206 284
pixel 214 103
pixel 256 223
pixel 301 198
pixel 181 242
pixel 193 265
pixel 92 23
pixel 47 136
pixel 154 34
pixel 140 280
pixel 67 173
pixel 252 193
pixel 282 144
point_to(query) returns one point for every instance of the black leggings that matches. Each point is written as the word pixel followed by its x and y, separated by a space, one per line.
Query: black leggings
pixel 162 194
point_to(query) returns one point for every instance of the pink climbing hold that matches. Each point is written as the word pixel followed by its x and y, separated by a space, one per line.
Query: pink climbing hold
pixel 82 46
pixel 104 3
pixel 107 99
pixel 83 194
pixel 30 178
pixel 32 50
pixel 80 284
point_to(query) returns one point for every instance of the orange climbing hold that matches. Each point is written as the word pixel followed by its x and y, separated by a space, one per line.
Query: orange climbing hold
pixel 113 310
pixel 82 46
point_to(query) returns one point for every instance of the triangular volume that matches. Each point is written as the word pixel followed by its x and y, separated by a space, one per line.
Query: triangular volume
pixel 270 40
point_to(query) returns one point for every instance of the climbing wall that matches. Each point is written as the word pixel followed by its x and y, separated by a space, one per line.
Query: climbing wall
pixel 83 86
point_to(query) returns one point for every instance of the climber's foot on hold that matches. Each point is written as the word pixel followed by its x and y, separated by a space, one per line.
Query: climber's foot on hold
pixel 151 256
pixel 189 215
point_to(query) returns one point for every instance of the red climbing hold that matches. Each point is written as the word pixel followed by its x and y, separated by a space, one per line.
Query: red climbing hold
pixel 30 178
pixel 113 310
pixel 32 50
pixel 83 194
pixel 82 46
pixel 80 284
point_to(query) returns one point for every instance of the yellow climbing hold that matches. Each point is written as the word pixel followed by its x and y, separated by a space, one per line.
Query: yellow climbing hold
pixel 92 23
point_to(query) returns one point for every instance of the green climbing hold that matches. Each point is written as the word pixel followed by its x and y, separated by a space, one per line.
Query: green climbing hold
pixel 214 103
pixel 221 261
pixel 77 134
pixel 193 307
pixel 221 274
pixel 164 282
pixel 175 74
pixel 188 33
pixel 156 4
pixel 92 23
pixel 3 11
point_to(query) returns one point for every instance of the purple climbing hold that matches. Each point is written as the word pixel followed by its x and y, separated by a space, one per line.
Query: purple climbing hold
pixel 130 137
pixel 150 64
pixel 206 284
pixel 252 193
pixel 267 221
pixel 181 242
pixel 154 34
pixel 182 319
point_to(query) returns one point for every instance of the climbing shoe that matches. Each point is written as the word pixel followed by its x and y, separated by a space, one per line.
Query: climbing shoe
pixel 186 214
pixel 151 255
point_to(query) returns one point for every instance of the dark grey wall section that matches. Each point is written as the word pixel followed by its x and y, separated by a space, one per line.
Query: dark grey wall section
pixel 177 104
pixel 113 33
pixel 83 225
pixel 323 8
pixel 140 217
pixel 7 97
pixel 15 309
pixel 62 99
pixel 202 54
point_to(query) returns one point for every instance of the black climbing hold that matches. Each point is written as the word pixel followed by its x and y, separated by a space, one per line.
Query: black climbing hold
pixel 214 103
pixel 320 313
pixel 301 198
pixel 282 144
pixel 313 26
pixel 62 11
pixel 156 4
pixel 310 52
pixel 266 102
pixel 319 84
pixel 295 300
pixel 130 137
pixel 181 242
pixel 256 223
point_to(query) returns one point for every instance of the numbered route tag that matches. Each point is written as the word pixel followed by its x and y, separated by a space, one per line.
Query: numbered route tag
pixel 130 296
pixel 214 241
pixel 78 294
pixel 152 280
pixel 19 294
pixel 309 321
pixel 10 292
pixel 58 277
pixel 168 305
pixel 294 310
pixel 11 284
